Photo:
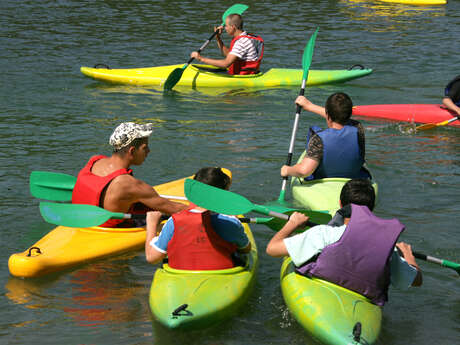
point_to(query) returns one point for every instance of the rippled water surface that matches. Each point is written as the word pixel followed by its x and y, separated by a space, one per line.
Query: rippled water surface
pixel 53 118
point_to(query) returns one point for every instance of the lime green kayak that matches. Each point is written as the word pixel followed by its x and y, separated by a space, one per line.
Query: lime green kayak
pixel 330 313
pixel 209 76
pixel 183 299
pixel 319 195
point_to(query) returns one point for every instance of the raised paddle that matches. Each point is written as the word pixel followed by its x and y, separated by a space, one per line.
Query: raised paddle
pixel 306 62
pixel 434 125
pixel 176 74
pixel 226 202
pixel 58 186
pixel 446 263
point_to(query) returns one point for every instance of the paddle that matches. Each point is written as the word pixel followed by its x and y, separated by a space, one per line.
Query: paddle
pixel 58 186
pixel 226 202
pixel 449 264
pixel 306 62
pixel 273 223
pixel 433 125
pixel 176 74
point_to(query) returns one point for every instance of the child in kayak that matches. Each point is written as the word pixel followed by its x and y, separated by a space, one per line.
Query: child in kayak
pixel 197 239
pixel 356 250
pixel 337 151
pixel 451 98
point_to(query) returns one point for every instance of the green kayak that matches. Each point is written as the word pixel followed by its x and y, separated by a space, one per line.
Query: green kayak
pixel 183 299
pixel 319 195
pixel 330 313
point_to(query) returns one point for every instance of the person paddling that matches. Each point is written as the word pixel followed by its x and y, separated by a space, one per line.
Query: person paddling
pixel 245 53
pixel 451 98
pixel 108 182
pixel 356 250
pixel 338 150
pixel 197 239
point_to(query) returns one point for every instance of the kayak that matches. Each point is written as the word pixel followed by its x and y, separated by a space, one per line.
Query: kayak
pixel 67 247
pixel 418 113
pixel 209 76
pixel 319 195
pixel 185 299
pixel 418 2
pixel 330 313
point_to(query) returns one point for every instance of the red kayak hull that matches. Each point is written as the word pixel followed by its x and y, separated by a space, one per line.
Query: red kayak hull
pixel 418 113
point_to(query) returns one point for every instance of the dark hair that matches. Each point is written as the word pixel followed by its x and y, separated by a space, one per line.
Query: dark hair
pixel 236 19
pixel 136 143
pixel 358 191
pixel 213 176
pixel 339 107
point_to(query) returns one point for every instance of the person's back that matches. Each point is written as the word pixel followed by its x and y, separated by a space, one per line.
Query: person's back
pixel 338 150
pixel 108 182
pixel 355 251
pixel 195 238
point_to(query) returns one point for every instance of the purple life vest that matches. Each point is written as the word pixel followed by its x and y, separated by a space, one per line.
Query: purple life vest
pixel 359 261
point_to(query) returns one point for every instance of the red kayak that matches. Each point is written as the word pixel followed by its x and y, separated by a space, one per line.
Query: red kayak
pixel 418 113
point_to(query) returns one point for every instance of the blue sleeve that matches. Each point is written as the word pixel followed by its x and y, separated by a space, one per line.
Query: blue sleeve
pixel 165 236
pixel 229 229
pixel 402 274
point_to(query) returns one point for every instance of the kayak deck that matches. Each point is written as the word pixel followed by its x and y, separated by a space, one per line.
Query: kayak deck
pixel 184 299
pixel 209 76
pixel 418 2
pixel 418 113
pixel 66 247
pixel 327 311
pixel 322 194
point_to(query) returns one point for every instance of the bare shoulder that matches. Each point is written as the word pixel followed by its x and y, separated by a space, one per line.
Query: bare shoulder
pixel 133 187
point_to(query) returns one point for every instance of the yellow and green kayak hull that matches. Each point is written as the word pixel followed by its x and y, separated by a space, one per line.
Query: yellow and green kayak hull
pixel 184 299
pixel 209 76
pixel 319 195
pixel 328 312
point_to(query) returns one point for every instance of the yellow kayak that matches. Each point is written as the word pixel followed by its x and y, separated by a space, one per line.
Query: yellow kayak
pixel 209 76
pixel 66 247
pixel 184 299
pixel 418 2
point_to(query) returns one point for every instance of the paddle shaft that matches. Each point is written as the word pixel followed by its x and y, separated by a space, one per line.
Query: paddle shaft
pixel 293 135
pixel 256 220
pixel 205 44
pixel 445 263
pixel 433 125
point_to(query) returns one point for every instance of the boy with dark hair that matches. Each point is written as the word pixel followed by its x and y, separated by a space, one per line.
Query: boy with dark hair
pixel 197 239
pixel 337 151
pixel 356 250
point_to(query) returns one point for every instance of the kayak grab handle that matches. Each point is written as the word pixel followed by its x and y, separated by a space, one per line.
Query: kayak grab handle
pixel 357 332
pixel 36 248
pixel 357 65
pixel 101 65
pixel 182 308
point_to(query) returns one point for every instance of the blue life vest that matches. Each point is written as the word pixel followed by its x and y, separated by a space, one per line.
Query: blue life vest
pixel 448 87
pixel 342 156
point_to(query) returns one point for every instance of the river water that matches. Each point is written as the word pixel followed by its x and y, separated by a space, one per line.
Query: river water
pixel 53 118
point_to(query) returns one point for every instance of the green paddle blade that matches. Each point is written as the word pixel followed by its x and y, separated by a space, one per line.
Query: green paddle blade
pixel 235 9
pixel 216 199
pixel 453 265
pixel 174 77
pixel 75 215
pixel 308 55
pixel 51 185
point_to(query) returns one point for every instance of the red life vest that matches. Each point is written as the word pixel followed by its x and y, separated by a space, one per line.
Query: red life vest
pixel 243 67
pixel 195 245
pixel 89 187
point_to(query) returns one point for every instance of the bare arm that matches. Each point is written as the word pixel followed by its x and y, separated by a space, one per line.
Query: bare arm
pixel 276 246
pixel 152 255
pixel 126 190
pixel 309 106
pixel 451 105
pixel 223 49
pixel 222 63
pixel 406 251
pixel 302 169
